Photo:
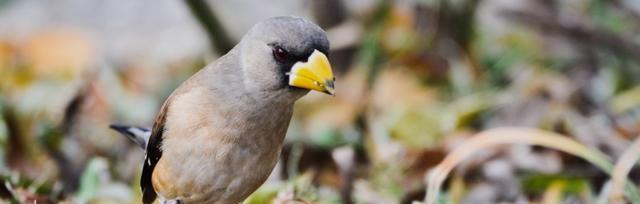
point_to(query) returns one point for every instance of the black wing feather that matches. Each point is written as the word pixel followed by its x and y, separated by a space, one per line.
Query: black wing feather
pixel 154 152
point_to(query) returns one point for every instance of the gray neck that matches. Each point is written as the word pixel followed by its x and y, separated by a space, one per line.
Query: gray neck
pixel 227 71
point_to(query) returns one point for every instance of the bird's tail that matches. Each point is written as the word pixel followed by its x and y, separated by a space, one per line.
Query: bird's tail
pixel 139 135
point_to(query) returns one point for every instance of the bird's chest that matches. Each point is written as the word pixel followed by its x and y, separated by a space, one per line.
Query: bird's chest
pixel 223 155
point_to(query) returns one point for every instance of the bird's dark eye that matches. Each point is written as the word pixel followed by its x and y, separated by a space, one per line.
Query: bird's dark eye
pixel 280 54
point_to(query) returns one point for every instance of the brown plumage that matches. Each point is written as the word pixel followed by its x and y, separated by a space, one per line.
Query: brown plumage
pixel 219 134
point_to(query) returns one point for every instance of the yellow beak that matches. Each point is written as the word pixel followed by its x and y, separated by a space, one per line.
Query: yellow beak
pixel 315 74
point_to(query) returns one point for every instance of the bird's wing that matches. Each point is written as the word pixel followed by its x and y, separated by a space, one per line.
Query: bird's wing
pixel 154 146
pixel 154 152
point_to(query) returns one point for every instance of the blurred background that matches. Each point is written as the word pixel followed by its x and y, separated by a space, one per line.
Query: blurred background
pixel 415 79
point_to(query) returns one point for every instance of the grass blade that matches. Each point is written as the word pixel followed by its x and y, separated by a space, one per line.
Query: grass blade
pixel 501 136
pixel 621 170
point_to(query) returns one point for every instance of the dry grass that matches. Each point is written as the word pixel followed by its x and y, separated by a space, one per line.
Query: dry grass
pixel 506 136
pixel 621 170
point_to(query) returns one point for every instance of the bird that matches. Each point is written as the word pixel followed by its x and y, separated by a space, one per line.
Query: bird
pixel 219 134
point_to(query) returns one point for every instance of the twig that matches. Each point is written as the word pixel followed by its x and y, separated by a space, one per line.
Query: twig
pixel 619 5
pixel 220 40
pixel 577 32
pixel 53 136
pixel 16 152
pixel 322 9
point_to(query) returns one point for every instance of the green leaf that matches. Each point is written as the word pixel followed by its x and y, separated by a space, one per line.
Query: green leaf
pixel 90 180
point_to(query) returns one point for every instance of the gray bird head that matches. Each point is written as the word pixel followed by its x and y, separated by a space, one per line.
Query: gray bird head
pixel 286 55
